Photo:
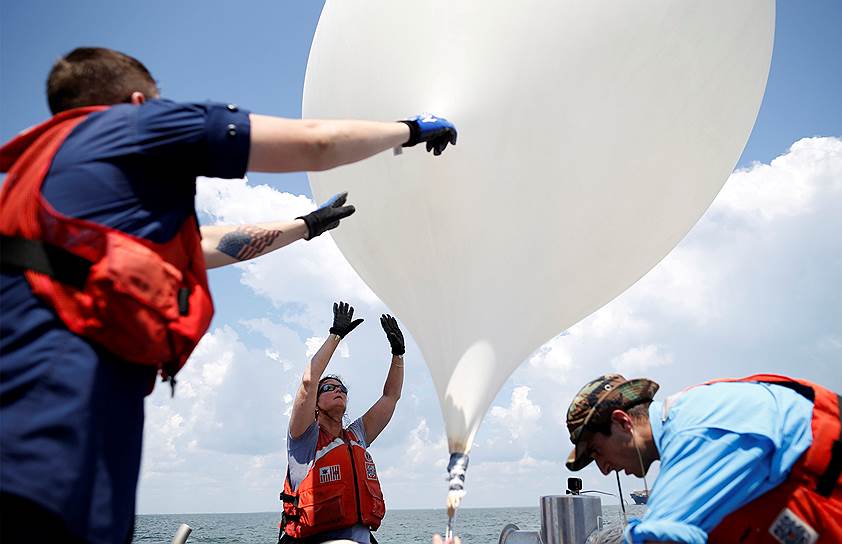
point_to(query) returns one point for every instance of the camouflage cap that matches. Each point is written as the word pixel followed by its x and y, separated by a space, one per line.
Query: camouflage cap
pixel 592 407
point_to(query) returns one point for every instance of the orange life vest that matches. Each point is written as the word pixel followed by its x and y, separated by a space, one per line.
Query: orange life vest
pixel 145 302
pixel 807 507
pixel 340 490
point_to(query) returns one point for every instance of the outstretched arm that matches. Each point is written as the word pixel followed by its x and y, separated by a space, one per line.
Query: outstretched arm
pixel 226 244
pixel 304 406
pixel 298 145
pixel 379 415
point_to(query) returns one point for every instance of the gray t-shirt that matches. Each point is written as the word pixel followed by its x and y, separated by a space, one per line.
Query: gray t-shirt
pixel 301 453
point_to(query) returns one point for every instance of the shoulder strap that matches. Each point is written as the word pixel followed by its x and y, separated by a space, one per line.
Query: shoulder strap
pixel 830 478
pixel 56 262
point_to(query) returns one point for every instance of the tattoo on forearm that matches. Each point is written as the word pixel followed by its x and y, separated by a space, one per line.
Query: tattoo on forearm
pixel 246 242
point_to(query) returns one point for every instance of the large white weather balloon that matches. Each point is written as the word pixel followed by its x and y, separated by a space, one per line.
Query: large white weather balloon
pixel 592 136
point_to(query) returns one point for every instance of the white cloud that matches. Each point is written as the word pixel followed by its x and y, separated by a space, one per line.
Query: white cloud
pixel 314 343
pixel 234 404
pixel 641 359
pixel 787 186
pixel 420 456
pixel 553 359
pixel 520 417
pixel 562 356
pixel 683 285
pixel 610 320
pixel 286 344
pixel 299 279
pixel 421 449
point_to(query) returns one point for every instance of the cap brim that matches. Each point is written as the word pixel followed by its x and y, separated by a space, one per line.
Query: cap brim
pixel 578 458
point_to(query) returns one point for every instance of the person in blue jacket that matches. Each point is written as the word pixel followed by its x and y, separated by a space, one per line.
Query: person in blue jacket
pixel 71 413
pixel 755 459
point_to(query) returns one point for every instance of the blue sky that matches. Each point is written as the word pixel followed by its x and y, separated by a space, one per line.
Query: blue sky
pixel 753 287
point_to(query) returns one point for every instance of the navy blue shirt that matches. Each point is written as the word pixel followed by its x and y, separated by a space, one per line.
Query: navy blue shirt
pixel 71 414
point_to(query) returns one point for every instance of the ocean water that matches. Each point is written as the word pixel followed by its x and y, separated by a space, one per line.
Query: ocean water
pixel 473 525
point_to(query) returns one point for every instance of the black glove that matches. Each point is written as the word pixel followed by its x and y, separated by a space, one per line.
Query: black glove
pixel 343 313
pixel 327 215
pixel 436 131
pixel 393 334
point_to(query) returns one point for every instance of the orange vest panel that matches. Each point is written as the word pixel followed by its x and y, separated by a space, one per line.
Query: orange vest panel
pixel 807 507
pixel 340 490
pixel 145 302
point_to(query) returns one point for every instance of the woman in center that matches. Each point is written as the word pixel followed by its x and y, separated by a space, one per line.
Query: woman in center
pixel 331 490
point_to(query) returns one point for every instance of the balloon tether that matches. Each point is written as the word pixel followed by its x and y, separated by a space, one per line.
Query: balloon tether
pixel 456 469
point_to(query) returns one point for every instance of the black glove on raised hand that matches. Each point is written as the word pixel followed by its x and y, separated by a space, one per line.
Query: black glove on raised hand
pixel 327 216
pixel 393 334
pixel 343 313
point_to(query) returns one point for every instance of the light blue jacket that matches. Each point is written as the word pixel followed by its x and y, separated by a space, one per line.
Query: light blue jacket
pixel 721 446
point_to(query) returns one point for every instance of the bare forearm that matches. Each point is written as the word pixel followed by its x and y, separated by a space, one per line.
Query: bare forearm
pixel 379 415
pixel 305 399
pixel 291 145
pixel 351 141
pixel 394 379
pixel 228 244
pixel 319 362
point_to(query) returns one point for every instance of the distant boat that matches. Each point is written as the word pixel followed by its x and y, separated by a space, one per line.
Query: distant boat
pixel 640 496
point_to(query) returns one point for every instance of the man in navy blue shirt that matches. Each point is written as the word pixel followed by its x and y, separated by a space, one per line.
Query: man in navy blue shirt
pixel 71 413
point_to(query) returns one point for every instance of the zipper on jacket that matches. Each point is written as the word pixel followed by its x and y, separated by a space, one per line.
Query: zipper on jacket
pixel 356 482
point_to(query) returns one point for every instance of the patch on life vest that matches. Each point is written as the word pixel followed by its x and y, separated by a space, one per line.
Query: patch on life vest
pixel 329 474
pixel 368 457
pixel 370 471
pixel 790 529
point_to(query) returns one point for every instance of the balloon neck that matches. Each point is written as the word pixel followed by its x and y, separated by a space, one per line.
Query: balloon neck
pixel 456 469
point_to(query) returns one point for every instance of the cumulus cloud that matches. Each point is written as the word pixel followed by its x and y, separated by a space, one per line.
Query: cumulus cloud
pixel 230 410
pixel 300 279
pixel 789 185
pixel 641 359
pixel 520 417
pixel 228 398
pixel 553 358
pixel 421 455
pixel 315 342
pixel 422 448
pixel 684 285
pixel 568 353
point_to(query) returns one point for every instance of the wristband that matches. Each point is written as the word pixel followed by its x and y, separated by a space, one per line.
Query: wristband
pixel 414 133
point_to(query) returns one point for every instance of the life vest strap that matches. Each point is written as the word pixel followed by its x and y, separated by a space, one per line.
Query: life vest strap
pixel 285 497
pixel 828 480
pixel 54 261
pixel 802 389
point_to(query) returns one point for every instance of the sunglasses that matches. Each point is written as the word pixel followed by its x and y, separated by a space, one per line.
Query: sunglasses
pixel 328 387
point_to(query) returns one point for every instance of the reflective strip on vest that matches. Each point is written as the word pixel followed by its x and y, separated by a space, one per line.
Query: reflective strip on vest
pixel 337 442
